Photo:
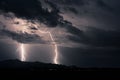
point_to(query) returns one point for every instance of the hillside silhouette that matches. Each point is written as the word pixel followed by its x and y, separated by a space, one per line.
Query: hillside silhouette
pixel 38 70
pixel 17 65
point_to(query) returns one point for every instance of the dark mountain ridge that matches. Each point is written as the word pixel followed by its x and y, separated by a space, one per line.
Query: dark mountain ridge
pixel 34 66
pixel 15 69
pixel 17 65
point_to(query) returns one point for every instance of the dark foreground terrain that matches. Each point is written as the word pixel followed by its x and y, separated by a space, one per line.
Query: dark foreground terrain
pixel 38 70
pixel 16 65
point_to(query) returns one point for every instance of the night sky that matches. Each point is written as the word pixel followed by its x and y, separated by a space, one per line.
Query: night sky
pixel 84 33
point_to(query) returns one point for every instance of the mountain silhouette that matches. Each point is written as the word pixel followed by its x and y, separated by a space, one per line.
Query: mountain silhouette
pixel 16 65
pixel 17 69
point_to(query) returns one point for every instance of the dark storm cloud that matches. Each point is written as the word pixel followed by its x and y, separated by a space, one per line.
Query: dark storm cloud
pixel 98 37
pixel 70 28
pixel 70 2
pixel 22 37
pixel 20 7
pixel 103 5
pixel 100 3
pixel 31 9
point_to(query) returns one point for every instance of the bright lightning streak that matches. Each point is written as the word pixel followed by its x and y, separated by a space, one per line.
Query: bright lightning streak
pixel 22 52
pixel 54 43
pixel 22 46
pixel 56 55
pixel 55 49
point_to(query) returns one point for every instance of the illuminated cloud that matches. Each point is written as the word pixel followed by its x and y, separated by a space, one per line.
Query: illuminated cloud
pixel 23 37
pixel 68 24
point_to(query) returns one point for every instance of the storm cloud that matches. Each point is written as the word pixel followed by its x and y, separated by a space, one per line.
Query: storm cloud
pixel 35 10
pixel 23 37
pixel 30 9
pixel 98 37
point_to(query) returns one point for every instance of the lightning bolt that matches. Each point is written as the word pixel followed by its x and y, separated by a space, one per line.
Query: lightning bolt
pixel 55 49
pixel 22 52
pixel 55 46
pixel 54 43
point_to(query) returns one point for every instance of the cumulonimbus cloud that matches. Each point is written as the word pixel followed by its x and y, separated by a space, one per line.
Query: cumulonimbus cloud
pixel 32 10
pixel 23 37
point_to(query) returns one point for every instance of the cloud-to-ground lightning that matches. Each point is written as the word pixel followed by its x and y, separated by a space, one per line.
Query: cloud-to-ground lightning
pixel 22 52
pixel 55 49
pixel 24 28
pixel 22 48
pixel 54 43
